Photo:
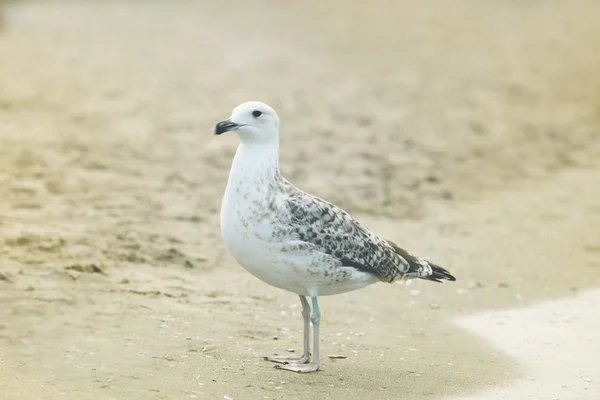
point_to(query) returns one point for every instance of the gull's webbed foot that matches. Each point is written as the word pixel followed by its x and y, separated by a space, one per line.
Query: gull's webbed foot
pixel 300 368
pixel 289 359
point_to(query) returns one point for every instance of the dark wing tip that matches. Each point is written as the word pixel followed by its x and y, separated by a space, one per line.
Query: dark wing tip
pixel 438 274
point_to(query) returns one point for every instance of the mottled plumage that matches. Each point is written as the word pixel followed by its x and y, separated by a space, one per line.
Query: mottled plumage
pixel 333 231
pixel 295 241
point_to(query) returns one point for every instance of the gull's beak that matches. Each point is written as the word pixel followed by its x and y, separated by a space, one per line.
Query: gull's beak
pixel 225 126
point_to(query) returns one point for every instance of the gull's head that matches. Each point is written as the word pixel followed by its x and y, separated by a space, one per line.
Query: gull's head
pixel 253 121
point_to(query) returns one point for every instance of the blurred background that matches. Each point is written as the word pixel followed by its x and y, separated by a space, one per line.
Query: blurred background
pixel 468 131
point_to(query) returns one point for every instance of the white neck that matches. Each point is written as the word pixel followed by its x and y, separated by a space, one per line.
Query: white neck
pixel 255 166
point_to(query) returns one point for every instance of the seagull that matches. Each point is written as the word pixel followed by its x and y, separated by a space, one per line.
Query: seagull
pixel 295 241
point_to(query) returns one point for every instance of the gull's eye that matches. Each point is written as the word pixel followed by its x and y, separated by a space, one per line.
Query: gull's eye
pixel 256 113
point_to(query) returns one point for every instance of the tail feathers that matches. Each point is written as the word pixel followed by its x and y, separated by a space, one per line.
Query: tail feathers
pixel 438 274
pixel 420 268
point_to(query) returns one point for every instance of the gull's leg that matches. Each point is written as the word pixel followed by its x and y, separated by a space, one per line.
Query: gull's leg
pixel 306 354
pixel 314 365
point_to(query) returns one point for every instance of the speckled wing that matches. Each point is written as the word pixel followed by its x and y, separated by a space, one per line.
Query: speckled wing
pixel 335 232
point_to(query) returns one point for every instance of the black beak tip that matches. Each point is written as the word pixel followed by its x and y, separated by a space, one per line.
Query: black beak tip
pixel 224 126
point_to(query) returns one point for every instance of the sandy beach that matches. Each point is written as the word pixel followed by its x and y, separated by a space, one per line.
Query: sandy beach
pixel 468 132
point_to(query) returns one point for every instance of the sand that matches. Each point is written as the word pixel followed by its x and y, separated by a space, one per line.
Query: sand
pixel 466 131
pixel 553 341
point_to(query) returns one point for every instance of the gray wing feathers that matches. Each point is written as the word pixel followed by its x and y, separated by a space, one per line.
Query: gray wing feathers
pixel 335 232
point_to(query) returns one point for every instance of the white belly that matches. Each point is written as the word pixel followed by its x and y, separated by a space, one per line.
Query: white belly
pixel 290 265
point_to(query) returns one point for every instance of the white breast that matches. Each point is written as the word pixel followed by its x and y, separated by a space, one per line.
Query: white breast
pixel 252 245
pixel 247 234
